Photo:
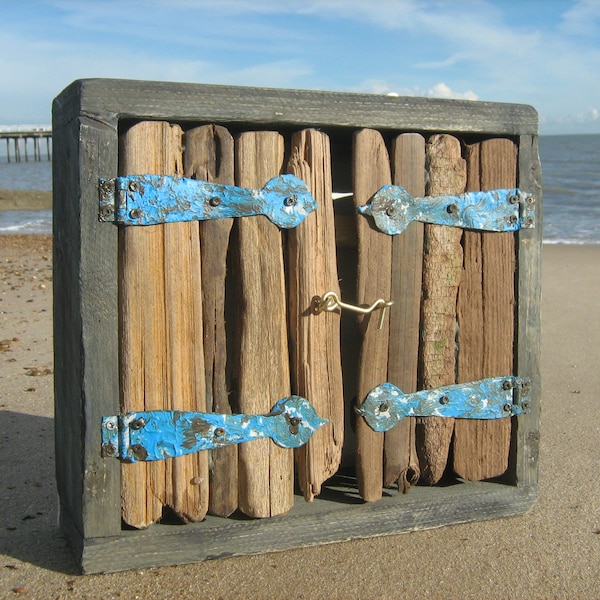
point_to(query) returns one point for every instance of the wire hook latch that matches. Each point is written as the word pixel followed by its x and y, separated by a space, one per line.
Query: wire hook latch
pixel 330 301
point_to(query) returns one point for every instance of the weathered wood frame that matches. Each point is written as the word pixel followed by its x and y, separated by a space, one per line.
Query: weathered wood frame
pixel 86 118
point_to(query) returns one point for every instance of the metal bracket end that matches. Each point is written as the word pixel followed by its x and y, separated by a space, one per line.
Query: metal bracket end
pixel 504 210
pixel 156 199
pixel 159 434
pixel 107 200
pixel 492 398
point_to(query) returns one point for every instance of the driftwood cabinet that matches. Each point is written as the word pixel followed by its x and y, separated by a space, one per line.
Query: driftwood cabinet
pixel 320 307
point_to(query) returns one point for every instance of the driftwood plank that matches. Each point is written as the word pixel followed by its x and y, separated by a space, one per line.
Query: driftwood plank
pixel 470 294
pixel 187 491
pixel 266 471
pixel 148 147
pixel 470 326
pixel 209 156
pixel 481 448
pixel 316 355
pixel 370 171
pixel 401 460
pixel 442 266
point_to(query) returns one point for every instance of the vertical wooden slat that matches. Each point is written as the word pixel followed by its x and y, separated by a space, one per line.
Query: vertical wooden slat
pixel 470 295
pixel 85 316
pixel 371 171
pixel 498 170
pixel 526 438
pixel 265 470
pixel 401 461
pixel 481 448
pixel 148 147
pixel 316 356
pixel 209 156
pixel 187 489
pixel 442 266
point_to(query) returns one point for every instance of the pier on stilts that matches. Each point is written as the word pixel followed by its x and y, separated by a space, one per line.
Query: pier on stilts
pixel 26 144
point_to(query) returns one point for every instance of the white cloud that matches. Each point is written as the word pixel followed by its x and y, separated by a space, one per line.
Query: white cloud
pixel 441 90
pixel 378 86
pixel 582 18
pixel 587 116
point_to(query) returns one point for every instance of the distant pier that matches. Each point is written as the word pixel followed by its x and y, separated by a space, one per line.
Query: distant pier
pixel 27 144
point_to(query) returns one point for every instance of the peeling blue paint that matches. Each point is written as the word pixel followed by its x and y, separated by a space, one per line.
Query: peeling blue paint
pixel 154 199
pixel 158 434
pixel 393 209
pixel 492 398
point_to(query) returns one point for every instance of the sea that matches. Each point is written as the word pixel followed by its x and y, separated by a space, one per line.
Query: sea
pixel 570 177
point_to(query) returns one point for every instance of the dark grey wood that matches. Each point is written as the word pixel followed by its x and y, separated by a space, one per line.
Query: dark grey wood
pixel 275 107
pixel 67 327
pixel 525 445
pixel 87 117
pixel 85 321
pixel 308 524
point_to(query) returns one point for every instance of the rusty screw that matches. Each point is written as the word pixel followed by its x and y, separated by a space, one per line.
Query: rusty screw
pixel 136 213
pixel 139 452
pixel 109 450
pixel 507 407
pixel 294 422
pixel 214 201
pixel 133 186
pixel 452 209
pixel 219 432
pixel 384 407
pixel 390 211
pixel 137 423
pixel 507 385
pixel 444 400
pixel 291 201
pixel 106 210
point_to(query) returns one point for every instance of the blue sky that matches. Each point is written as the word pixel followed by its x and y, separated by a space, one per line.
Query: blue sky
pixel 540 52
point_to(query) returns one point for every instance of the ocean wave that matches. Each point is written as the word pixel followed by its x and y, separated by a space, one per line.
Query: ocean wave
pixel 25 221
pixel 571 241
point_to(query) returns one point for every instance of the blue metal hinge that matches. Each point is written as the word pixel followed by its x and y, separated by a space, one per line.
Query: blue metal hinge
pixel 492 398
pixel 393 209
pixel 158 434
pixel 154 199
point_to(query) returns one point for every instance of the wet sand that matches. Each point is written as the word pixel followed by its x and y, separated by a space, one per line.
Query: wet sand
pixel 25 200
pixel 553 551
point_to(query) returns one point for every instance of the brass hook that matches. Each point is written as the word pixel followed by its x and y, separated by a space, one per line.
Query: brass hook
pixel 330 301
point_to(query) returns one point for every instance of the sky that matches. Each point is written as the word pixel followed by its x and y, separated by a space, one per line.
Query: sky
pixel 545 53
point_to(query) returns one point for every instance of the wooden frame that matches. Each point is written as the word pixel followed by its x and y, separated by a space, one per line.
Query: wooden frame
pixel 86 120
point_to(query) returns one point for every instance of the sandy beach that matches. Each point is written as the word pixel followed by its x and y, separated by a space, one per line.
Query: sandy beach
pixel 553 551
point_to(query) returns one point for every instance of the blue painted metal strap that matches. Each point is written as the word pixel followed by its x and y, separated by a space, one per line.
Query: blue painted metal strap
pixel 393 209
pixel 492 398
pixel 158 434
pixel 153 199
